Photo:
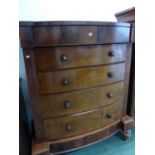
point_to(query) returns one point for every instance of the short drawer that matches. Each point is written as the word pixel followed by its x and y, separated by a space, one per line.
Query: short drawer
pixel 74 79
pixel 68 57
pixel 80 101
pixel 75 35
pixel 72 125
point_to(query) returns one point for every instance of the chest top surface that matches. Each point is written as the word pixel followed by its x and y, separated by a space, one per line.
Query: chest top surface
pixel 58 33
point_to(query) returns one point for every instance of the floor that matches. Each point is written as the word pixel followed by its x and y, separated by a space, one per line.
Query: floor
pixel 111 146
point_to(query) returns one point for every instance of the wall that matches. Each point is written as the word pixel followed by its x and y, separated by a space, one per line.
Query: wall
pixel 103 10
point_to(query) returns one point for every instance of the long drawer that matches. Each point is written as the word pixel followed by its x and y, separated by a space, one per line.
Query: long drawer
pixel 72 125
pixel 67 57
pixel 73 79
pixel 79 101
pixel 73 35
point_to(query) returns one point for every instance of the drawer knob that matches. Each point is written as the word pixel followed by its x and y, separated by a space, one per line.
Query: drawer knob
pixel 68 127
pixel 67 105
pixel 111 53
pixel 65 82
pixel 109 95
pixel 111 74
pixel 64 58
pixel 109 115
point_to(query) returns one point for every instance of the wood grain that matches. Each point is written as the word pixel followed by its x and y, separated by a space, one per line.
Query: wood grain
pixel 51 58
pixel 26 37
pixel 73 35
pixel 69 62
pixel 73 23
pixel 52 82
pixel 54 105
pixel 86 140
pixel 33 91
pixel 81 123
pixel 127 15
pixel 40 148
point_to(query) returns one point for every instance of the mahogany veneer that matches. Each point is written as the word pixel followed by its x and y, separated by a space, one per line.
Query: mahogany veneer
pixel 78 74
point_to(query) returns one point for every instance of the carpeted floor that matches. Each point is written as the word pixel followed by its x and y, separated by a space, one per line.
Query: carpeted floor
pixel 111 146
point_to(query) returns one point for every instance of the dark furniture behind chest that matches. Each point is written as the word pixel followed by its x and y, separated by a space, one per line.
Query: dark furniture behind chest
pixel 129 16
pixel 24 136
pixel 78 75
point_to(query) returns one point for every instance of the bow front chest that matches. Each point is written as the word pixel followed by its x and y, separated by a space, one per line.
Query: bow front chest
pixel 78 75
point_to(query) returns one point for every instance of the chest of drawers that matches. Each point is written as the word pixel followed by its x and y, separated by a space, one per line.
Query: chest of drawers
pixel 78 75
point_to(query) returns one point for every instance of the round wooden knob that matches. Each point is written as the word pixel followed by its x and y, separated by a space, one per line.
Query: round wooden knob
pixel 64 58
pixel 68 127
pixel 109 115
pixel 65 82
pixel 109 95
pixel 111 53
pixel 67 105
pixel 111 74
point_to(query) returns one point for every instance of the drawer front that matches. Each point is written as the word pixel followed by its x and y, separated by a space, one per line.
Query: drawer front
pixel 72 125
pixel 57 35
pixel 112 112
pixel 68 126
pixel 78 56
pixel 73 79
pixel 73 35
pixel 79 101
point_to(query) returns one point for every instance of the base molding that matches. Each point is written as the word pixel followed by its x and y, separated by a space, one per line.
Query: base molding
pixel 127 123
pixel 81 141
pixel 40 148
pixel 84 140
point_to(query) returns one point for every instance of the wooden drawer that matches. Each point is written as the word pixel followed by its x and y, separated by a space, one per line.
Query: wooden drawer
pixel 74 35
pixel 112 112
pixel 73 79
pixel 78 56
pixel 79 101
pixel 72 125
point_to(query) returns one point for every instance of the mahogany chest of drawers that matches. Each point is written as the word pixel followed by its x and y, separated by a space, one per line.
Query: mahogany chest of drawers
pixel 78 74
